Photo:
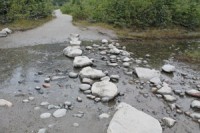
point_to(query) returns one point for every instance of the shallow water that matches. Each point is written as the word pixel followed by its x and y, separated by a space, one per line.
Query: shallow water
pixel 18 73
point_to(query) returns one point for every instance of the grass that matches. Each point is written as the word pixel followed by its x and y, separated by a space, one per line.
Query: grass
pixel 151 33
pixel 23 24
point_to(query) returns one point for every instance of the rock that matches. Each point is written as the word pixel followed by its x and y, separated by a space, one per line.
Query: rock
pixel 168 68
pixel 72 51
pixel 68 103
pixel 156 81
pixel 44 103
pixel 7 30
pixel 73 75
pixel 53 78
pixel 169 121
pixel 90 96
pixel 195 104
pixel 104 89
pixel 36 108
pixel 104 115
pixel 165 89
pixel 195 116
pixel 75 124
pixel 106 78
pixel 126 59
pixel 169 98
pixel 3 34
pixel 112 64
pixel 51 106
pixel 79 99
pixel 37 88
pixel 45 115
pixel 84 87
pixel 125 53
pixel 87 81
pixel 25 101
pixel 104 41
pixel 114 51
pixel 59 113
pixel 46 85
pixel 47 80
pixel 146 73
pixel 88 47
pixel 114 78
pixel 31 98
pixel 126 64
pixel 4 102
pixel 128 119
pixel 82 61
pixel 91 73
pixel 193 92
pixel 43 130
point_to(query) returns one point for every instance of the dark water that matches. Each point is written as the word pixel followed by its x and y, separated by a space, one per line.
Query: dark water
pixel 23 64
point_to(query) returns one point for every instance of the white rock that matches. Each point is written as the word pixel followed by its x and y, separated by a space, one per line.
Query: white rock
pixel 75 43
pixel 114 50
pixel 195 104
pixel 169 121
pixel 3 34
pixel 126 59
pixel 156 81
pixel 105 89
pixel 126 64
pixel 193 92
pixel 4 102
pixel 84 87
pixel 169 98
pixel 128 119
pixel 81 61
pixel 104 41
pixel 104 115
pixel 59 113
pixel 165 89
pixel 75 124
pixel 146 73
pixel 88 47
pixel 195 115
pixel 43 130
pixel 91 73
pixel 7 30
pixel 168 68
pixel 125 53
pixel 72 51
pixel 45 115
pixel 44 103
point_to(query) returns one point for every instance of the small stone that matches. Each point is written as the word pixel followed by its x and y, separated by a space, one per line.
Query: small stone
pixel 37 88
pixel 43 130
pixel 195 104
pixel 44 103
pixel 104 115
pixel 126 64
pixel 4 102
pixel 45 115
pixel 195 116
pixel 87 92
pixel 106 78
pixel 169 121
pixel 47 80
pixel 90 96
pixel 75 124
pixel 73 75
pixel 59 113
pixel 104 41
pixel 193 92
pixel 79 99
pixel 97 99
pixel 168 68
pixel 126 59
pixel 68 103
pixel 87 81
pixel 40 73
pixel 31 98
pixel 36 108
pixel 169 98
pixel 46 85
pixel 53 107
pixel 84 87
pixel 25 101
pixel 88 47
pixel 165 89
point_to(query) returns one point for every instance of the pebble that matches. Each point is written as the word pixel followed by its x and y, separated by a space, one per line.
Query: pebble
pixel 4 102
pixel 45 115
pixel 87 81
pixel 97 99
pixel 47 80
pixel 169 121
pixel 44 103
pixel 68 103
pixel 53 107
pixel 73 75
pixel 79 99
pixel 104 115
pixel 46 85
pixel 59 113
pixel 84 87
pixel 25 101
pixel 37 88
pixel 43 130
pixel 126 64
pixel 36 108
pixel 75 124
pixel 195 104
pixel 31 98
pixel 169 98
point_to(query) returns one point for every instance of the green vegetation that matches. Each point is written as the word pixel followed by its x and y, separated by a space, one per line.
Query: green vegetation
pixel 137 13
pixel 24 13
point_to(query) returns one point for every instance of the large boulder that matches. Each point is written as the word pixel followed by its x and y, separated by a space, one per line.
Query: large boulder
pixel 146 73
pixel 82 61
pixel 72 51
pixel 105 89
pixel 91 73
pixel 128 119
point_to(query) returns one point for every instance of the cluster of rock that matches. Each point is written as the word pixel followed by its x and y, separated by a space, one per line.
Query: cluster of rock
pixel 4 32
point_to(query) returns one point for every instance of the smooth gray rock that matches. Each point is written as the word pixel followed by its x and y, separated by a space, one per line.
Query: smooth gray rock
pixel 82 61
pixel 168 68
pixel 91 73
pixel 73 75
pixel 59 113
pixel 146 73
pixel 169 98
pixel 104 115
pixel 165 89
pixel 84 87
pixel 4 103
pixel 72 51
pixel 128 119
pixel 195 104
pixel 42 130
pixel 193 92
pixel 105 89
pixel 45 115
pixel 195 116
pixel 169 121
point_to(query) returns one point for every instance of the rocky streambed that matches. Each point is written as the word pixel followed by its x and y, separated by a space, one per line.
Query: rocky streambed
pixel 98 87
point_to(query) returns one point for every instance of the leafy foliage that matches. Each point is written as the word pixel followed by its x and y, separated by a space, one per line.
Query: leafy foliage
pixel 137 13
pixel 11 10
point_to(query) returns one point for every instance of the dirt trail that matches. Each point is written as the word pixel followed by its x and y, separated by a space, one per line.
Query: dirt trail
pixel 55 31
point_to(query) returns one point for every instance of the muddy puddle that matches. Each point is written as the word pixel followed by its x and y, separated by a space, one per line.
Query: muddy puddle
pixel 19 76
